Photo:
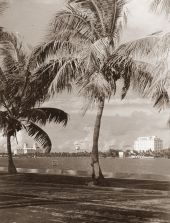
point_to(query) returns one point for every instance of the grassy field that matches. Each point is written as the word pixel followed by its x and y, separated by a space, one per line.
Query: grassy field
pixel 38 198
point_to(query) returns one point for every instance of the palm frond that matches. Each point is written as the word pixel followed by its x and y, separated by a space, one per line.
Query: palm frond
pixel 94 87
pixel 49 78
pixel 143 46
pixel 3 5
pixel 53 49
pixel 39 135
pixel 12 50
pixel 133 73
pixel 154 46
pixel 43 115
pixel 70 24
pixel 65 73
pixel 104 15
pixel 158 90
pixel 3 119
pixel 40 81
pixel 9 62
pixel 161 6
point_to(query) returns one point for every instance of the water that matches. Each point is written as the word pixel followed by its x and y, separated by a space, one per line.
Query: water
pixel 121 168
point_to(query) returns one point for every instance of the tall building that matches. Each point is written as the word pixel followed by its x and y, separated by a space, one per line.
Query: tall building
pixel 148 143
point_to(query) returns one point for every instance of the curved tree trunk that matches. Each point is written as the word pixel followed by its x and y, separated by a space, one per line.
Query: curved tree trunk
pixel 11 166
pixel 96 170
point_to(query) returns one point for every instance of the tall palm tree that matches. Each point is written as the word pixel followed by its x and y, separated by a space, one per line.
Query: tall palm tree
pixel 19 99
pixel 83 48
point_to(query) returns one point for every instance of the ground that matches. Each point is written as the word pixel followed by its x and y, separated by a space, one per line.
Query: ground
pixel 35 198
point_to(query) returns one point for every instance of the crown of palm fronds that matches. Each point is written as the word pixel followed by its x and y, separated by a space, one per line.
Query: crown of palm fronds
pixel 79 40
pixel 105 16
pixel 20 92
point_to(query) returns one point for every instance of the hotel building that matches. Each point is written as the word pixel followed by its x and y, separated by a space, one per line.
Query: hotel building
pixel 148 143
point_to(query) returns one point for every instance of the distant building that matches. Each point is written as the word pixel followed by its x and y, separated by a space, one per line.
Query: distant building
pixel 148 143
pixel 18 151
pixel 28 150
pixel 77 147
pixel 80 147
pixel 121 154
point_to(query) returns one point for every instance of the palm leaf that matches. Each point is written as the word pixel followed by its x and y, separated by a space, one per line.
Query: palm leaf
pixel 70 24
pixel 135 73
pixel 44 115
pixel 40 81
pixel 39 135
pixel 153 47
pixel 3 119
pixel 161 5
pixel 104 15
pixel 94 87
pixel 3 5
pixel 66 72
pixel 12 51
pixel 53 48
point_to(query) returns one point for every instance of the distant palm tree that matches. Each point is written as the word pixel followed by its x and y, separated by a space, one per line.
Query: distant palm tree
pixel 19 97
pixel 83 48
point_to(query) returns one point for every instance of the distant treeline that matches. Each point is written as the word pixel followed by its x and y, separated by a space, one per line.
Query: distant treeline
pixel 165 153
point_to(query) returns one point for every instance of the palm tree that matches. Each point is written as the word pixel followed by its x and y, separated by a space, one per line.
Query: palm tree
pixel 19 98
pixel 83 48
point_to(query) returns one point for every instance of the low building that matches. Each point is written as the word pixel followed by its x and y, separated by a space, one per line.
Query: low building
pixel 152 143
pixel 121 154
pixel 18 151
pixel 28 150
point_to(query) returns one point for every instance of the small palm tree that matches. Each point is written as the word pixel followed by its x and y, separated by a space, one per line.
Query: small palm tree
pixel 82 49
pixel 19 98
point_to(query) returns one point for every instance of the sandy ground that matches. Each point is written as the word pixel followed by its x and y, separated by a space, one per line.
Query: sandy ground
pixel 35 198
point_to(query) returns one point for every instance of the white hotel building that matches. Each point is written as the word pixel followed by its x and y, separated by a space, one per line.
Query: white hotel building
pixel 148 143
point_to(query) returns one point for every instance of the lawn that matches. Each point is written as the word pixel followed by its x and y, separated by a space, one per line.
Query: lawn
pixel 36 198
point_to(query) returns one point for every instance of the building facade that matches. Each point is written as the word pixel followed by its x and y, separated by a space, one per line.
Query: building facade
pixel 148 143
pixel 28 150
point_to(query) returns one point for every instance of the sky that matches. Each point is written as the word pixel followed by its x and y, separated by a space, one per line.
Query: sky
pixel 123 121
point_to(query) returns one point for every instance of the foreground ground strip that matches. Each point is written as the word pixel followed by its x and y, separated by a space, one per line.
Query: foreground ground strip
pixel 42 198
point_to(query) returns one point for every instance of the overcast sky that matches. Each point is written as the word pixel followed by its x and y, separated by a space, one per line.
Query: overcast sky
pixel 122 121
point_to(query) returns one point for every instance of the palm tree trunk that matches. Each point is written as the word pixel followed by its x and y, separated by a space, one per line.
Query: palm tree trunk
pixel 96 170
pixel 11 166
